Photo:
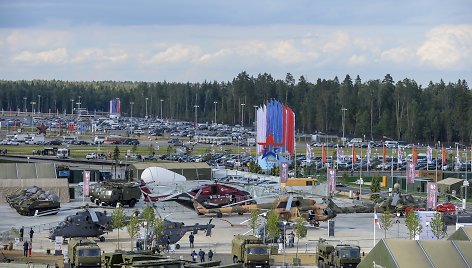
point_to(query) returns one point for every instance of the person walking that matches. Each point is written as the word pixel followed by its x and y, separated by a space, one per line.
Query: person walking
pixel 194 255
pixel 191 239
pixel 201 253
pixel 210 255
pixel 25 248
pixel 31 234
pixel 22 231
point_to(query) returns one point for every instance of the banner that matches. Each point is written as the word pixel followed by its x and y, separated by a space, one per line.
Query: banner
pixel 323 154
pixel 410 172
pixel 399 155
pixel 415 155
pixel 309 153
pixel 354 155
pixel 368 153
pixel 429 154
pixel 384 154
pixel 283 172
pixel 443 156
pixel 86 177
pixel 331 180
pixel 432 195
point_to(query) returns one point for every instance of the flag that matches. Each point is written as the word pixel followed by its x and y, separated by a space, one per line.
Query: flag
pixel 323 154
pixel 429 154
pixel 368 153
pixel 338 154
pixel 308 153
pixel 458 159
pixel 399 155
pixel 354 156
pixel 443 155
pixel 384 154
pixel 376 220
pixel 415 155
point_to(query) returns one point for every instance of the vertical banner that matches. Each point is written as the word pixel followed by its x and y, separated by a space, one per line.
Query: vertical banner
pixel 354 155
pixel 331 180
pixel 283 172
pixel 410 172
pixel 86 177
pixel 71 127
pixel 368 154
pixel 432 192
pixel 415 155
pixel 323 154
pixel 384 154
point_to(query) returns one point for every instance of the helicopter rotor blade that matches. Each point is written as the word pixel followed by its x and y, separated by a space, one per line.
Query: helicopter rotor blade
pixel 289 203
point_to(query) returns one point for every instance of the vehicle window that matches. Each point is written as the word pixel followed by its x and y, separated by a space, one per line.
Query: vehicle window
pixel 89 252
pixel 309 183
pixel 257 251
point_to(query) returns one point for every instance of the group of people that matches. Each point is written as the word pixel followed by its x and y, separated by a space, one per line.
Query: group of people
pixel 201 254
pixel 27 246
pixel 290 238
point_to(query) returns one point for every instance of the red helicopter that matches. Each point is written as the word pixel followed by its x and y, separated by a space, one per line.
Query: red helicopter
pixel 215 195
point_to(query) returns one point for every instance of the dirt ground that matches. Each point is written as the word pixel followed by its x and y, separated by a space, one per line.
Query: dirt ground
pixel 36 257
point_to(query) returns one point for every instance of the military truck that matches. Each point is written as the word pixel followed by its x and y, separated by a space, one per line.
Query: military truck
pixel 84 252
pixel 125 193
pixel 341 255
pixel 250 250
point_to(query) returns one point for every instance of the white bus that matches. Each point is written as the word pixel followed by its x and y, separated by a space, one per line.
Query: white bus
pixel 391 144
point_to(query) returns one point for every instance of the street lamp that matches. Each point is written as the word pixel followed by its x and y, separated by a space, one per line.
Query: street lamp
pixel 361 181
pixel 24 104
pixel 32 106
pixel 242 114
pixel 283 240
pixel 196 119
pixel 215 103
pixel 343 116
pixel 146 107
pixel 39 103
pixel 131 103
pixel 465 184
pixel 161 107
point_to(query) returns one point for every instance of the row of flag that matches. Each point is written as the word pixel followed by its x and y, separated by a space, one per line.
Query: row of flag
pixel 400 154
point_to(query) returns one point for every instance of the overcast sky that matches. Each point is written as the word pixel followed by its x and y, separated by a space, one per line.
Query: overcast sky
pixel 199 40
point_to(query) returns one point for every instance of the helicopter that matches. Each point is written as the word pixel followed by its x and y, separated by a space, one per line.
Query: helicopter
pixel 86 223
pixel 290 208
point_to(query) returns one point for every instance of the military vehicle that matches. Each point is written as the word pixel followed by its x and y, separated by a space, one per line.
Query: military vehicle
pixel 289 207
pixel 250 250
pixel 84 252
pixel 112 193
pixel 359 207
pixel 32 200
pixel 86 223
pixel 341 255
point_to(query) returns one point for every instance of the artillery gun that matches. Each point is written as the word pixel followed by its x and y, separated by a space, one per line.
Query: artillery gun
pixel 31 200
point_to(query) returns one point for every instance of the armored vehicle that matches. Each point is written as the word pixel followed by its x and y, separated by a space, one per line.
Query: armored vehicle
pixel 341 255
pixel 84 252
pixel 250 250
pixel 112 193
pixel 31 200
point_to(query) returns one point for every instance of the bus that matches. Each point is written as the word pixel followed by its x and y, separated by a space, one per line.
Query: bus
pixel 391 144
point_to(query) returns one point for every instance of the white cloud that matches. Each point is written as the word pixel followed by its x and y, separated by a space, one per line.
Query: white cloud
pixel 100 55
pixel 357 59
pixel 286 52
pixel 58 55
pixel 336 43
pixel 177 53
pixel 34 38
pixel 220 54
pixel 398 55
pixel 447 46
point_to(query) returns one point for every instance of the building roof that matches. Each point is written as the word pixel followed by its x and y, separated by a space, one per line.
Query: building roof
pixel 171 165
pixel 421 253
pixel 450 181
pixel 463 233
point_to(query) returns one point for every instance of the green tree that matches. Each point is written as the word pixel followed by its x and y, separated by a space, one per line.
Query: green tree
pixel 300 231
pixel 437 226
pixel 118 218
pixel 134 148
pixel 133 227
pixel 272 226
pixel 116 157
pixel 375 184
pixel 149 216
pixel 253 219
pixel 158 226
pixel 386 222
pixel 413 224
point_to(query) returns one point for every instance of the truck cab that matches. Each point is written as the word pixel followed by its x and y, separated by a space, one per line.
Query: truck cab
pixel 62 153
pixel 84 252
pixel 342 255
pixel 251 251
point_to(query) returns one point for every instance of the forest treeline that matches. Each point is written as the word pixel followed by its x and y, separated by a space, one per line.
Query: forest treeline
pixel 400 110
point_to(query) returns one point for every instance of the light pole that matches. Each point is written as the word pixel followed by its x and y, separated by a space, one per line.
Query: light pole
pixel 242 114
pixel 39 103
pixel 465 184
pixel 161 107
pixel 361 181
pixel 215 103
pixel 72 106
pixel 343 116
pixel 196 119
pixel 131 103
pixel 283 240
pixel 24 104
pixel 32 111
pixel 146 107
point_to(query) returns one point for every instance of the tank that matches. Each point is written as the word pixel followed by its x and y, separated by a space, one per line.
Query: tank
pixel 27 201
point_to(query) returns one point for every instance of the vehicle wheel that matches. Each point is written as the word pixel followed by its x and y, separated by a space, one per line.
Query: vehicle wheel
pixel 235 259
pixel 177 246
pixel 92 199
pixel 240 213
pixel 132 202
pixel 97 201
pixel 219 215
pixel 102 238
